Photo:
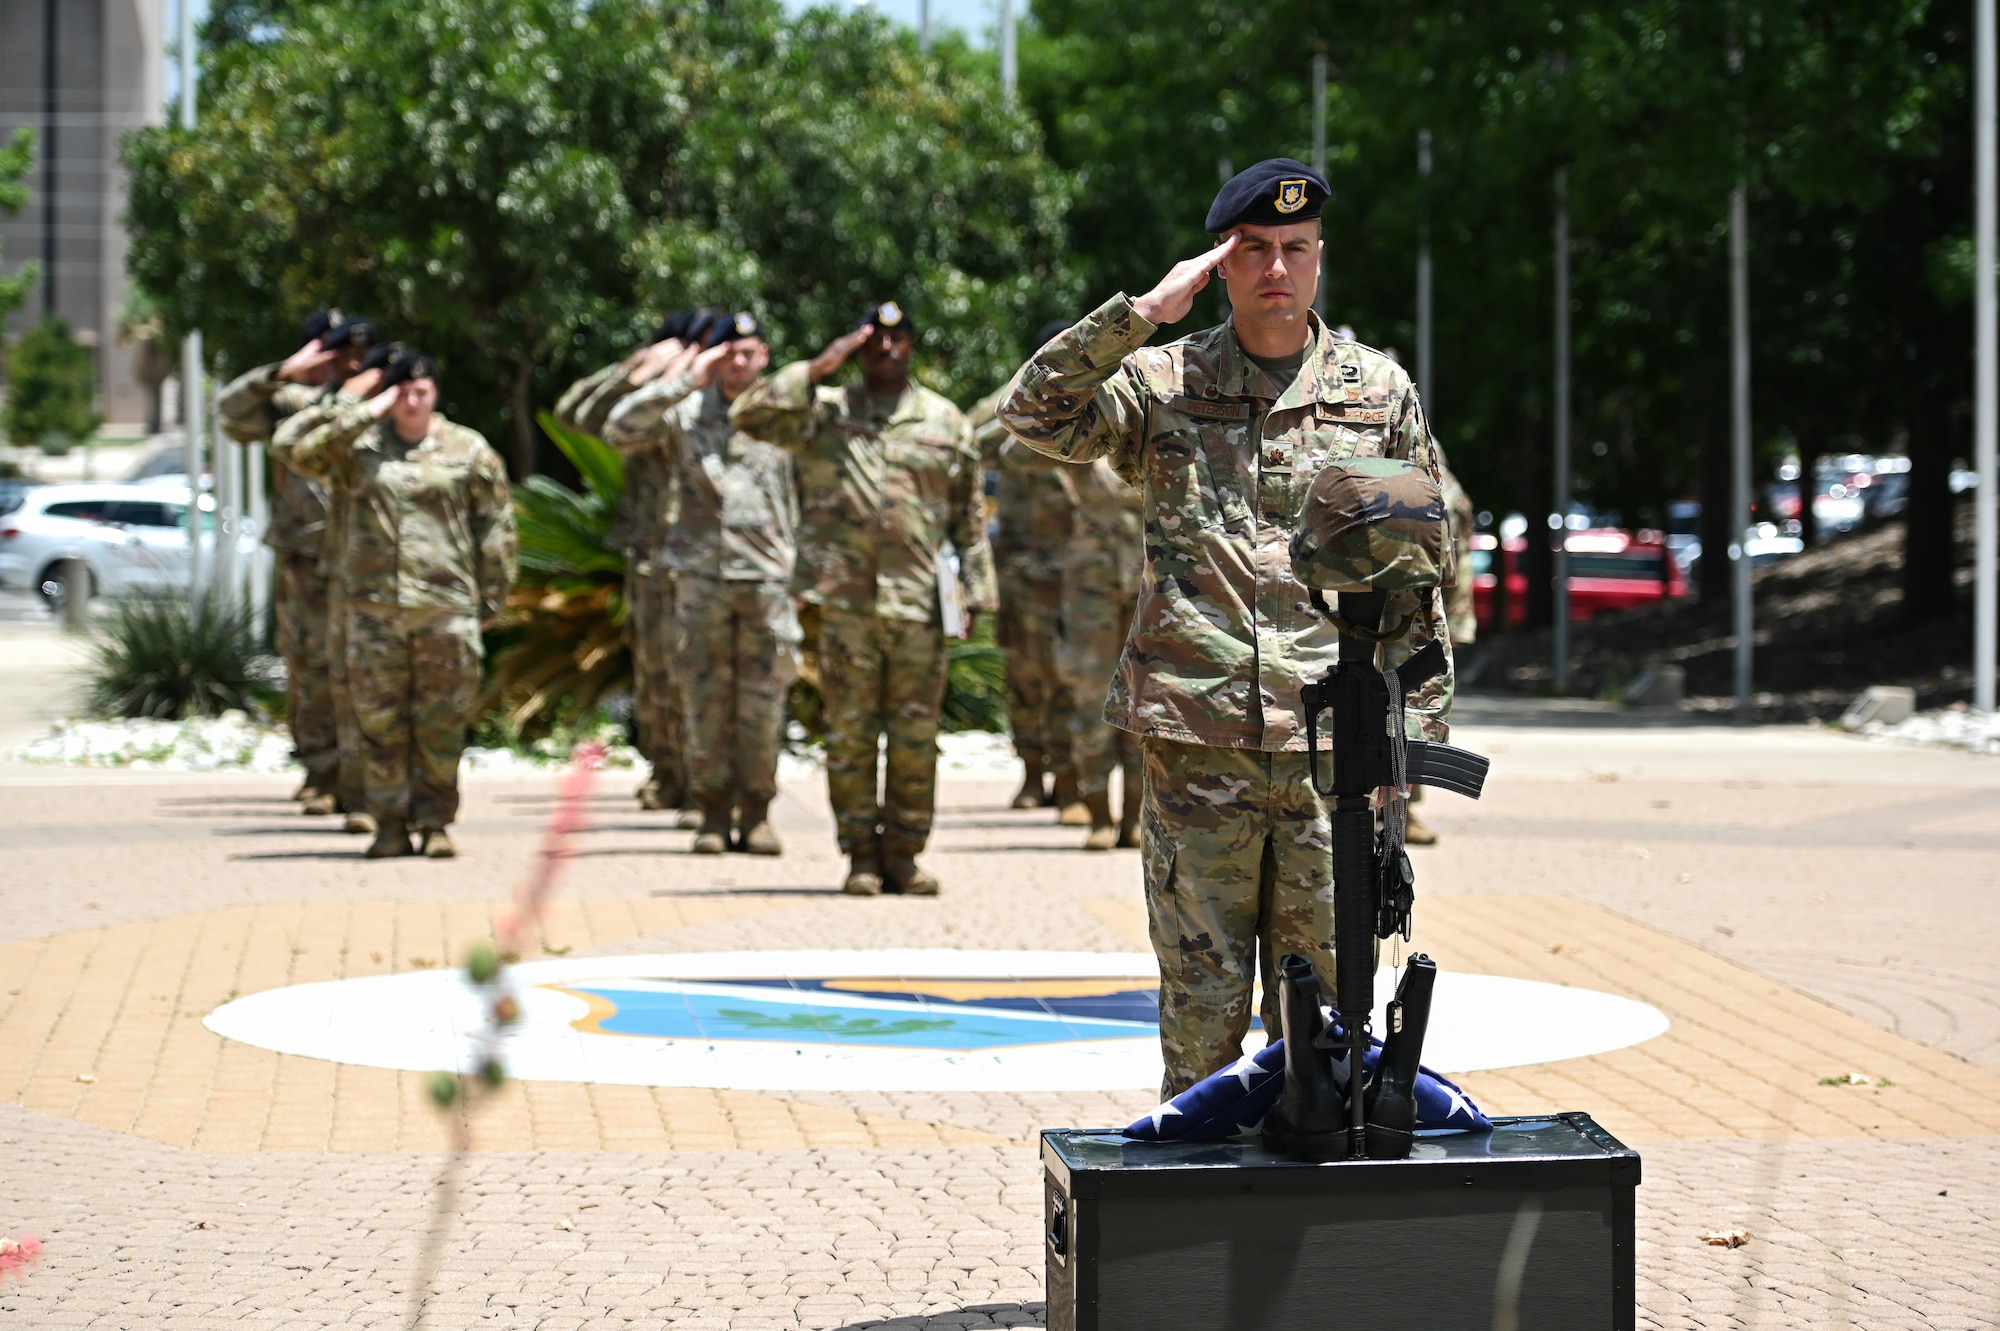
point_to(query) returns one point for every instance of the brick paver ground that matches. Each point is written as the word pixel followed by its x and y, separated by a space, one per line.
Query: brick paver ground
pixel 1800 905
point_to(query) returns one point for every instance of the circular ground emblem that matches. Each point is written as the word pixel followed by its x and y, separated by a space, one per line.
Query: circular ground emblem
pixel 898 1019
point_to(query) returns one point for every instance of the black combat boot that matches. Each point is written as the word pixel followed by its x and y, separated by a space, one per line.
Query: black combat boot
pixel 1310 1120
pixel 392 839
pixel 1392 1095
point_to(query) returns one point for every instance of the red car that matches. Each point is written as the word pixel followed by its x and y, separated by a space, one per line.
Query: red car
pixel 1609 569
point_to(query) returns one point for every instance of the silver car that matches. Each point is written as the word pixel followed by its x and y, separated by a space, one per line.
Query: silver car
pixel 129 539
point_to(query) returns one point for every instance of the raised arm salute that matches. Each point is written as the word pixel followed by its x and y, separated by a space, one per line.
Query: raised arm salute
pixel 888 473
pixel 1223 432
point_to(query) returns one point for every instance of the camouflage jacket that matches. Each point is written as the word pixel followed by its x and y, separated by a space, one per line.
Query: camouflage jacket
pixel 882 487
pixel 1106 548
pixel 1224 636
pixel 1033 522
pixel 250 408
pixel 430 525
pixel 739 511
pixel 1459 607
pixel 646 505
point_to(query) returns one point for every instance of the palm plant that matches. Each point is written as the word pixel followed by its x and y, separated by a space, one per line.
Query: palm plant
pixel 559 648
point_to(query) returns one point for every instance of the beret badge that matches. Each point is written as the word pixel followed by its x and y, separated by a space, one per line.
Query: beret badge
pixel 1291 196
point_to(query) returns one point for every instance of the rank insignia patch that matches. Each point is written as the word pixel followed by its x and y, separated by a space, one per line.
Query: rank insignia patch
pixel 1291 195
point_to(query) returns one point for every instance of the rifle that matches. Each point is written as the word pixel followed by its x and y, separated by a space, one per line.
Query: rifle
pixel 1374 886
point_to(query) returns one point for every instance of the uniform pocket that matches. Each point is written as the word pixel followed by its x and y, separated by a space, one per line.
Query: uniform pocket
pixel 1181 486
pixel 1158 855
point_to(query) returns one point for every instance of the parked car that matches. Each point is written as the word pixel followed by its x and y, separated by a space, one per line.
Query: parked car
pixel 130 539
pixel 12 490
pixel 1609 569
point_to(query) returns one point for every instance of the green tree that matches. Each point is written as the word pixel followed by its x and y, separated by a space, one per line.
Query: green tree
pixel 17 157
pixel 49 388
pixel 1844 119
pixel 520 187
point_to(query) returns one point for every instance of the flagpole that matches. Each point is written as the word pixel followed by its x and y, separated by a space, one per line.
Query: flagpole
pixel 1559 520
pixel 1986 375
pixel 191 376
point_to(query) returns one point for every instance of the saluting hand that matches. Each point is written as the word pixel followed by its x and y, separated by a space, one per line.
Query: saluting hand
pixel 702 373
pixel 384 402
pixel 836 353
pixel 1170 301
pixel 645 365
pixel 300 365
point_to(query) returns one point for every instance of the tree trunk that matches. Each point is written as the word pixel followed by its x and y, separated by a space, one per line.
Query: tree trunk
pixel 527 435
pixel 1927 543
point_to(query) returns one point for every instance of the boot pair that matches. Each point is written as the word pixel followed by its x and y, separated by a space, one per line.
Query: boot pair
pixel 755 836
pixel 392 841
pixel 1311 1118
pixel 871 872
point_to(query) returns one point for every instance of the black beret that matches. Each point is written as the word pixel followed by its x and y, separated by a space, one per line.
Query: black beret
pixel 743 324
pixel 316 325
pixel 673 327
pixel 410 365
pixel 1277 192
pixel 380 355
pixel 1051 330
pixel 702 325
pixel 888 314
pixel 353 332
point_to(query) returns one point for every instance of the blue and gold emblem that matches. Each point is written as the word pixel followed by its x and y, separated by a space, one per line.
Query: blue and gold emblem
pixel 1291 196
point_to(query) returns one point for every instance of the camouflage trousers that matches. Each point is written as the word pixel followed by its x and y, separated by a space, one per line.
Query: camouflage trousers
pixel 414 674
pixel 1096 616
pixel 301 609
pixel 737 644
pixel 353 779
pixel 1038 706
pixel 1236 849
pixel 881 677
pixel 656 688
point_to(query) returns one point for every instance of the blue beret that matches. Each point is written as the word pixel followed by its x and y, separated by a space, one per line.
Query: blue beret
pixel 1277 192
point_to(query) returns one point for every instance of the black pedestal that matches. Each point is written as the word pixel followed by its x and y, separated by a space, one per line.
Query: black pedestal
pixel 1535 1217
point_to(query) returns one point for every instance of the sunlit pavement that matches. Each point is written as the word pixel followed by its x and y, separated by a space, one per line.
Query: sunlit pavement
pixel 1800 906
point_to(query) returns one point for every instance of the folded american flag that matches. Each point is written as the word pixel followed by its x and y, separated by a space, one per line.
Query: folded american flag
pixel 1232 1103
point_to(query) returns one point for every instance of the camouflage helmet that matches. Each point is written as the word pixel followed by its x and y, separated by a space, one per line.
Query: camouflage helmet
pixel 1372 524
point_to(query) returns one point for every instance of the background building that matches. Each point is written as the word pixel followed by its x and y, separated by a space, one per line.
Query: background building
pixel 80 73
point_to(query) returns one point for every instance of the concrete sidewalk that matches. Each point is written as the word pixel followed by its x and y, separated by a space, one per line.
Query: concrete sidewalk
pixel 1802 905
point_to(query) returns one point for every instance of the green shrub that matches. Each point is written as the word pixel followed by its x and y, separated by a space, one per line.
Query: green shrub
pixel 149 657
pixel 50 387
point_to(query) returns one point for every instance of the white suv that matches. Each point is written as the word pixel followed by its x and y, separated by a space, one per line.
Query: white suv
pixel 131 538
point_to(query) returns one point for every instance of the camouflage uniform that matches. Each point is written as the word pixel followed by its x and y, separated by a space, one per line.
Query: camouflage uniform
pixel 1223 636
pixel 430 551
pixel 1458 601
pixel 731 551
pixel 250 409
pixel 1034 530
pixel 1100 585
pixel 645 512
pixel 883 486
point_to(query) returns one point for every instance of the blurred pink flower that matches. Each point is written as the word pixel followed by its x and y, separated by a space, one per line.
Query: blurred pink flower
pixel 17 1253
